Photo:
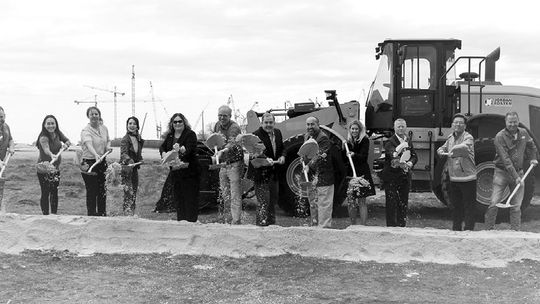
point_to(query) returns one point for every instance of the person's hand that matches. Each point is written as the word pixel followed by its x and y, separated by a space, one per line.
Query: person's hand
pixel 10 150
pixel 281 160
pixel 182 149
pixel 534 162
pixel 176 147
pixel 270 161
pixel 54 158
pixel 409 164
pixel 441 151
pixel 520 181
pixel 2 164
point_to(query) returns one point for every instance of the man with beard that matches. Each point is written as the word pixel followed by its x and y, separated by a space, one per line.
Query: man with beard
pixel 514 148
pixel 265 177
pixel 229 176
pixel 325 165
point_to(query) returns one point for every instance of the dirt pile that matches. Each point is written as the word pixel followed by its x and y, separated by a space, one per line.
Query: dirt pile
pixel 89 235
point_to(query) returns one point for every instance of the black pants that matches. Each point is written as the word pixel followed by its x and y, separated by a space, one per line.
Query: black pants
pixel 397 200
pixel 48 182
pixel 267 195
pixel 96 192
pixel 186 196
pixel 463 198
pixel 130 180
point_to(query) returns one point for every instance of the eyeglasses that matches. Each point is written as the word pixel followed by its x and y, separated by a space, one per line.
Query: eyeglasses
pixel 177 121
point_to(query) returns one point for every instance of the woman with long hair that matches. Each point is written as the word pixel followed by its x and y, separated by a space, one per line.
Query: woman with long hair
pixel 185 169
pixel 358 144
pixel 49 143
pixel 130 153
pixel 95 142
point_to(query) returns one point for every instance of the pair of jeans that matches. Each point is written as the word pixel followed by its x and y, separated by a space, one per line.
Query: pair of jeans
pixel 463 198
pixel 48 182
pixel 130 181
pixel 267 195
pixel 96 191
pixel 230 205
pixel 501 180
pixel 396 194
pixel 321 205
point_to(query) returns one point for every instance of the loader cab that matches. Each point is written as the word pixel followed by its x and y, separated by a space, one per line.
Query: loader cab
pixel 410 84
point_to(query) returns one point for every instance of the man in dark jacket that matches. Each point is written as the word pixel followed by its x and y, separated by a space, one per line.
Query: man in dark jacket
pixel 325 165
pixel 265 177
pixel 396 174
pixel 514 148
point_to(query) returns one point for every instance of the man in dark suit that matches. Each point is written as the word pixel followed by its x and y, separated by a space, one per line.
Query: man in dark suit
pixel 396 174
pixel 265 177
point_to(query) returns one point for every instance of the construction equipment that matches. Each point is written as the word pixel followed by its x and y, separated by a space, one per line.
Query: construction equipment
pixel 416 81
pixel 115 93
pixel 333 121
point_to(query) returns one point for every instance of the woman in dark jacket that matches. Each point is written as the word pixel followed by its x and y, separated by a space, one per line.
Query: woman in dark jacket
pixel 130 153
pixel 185 170
pixel 358 144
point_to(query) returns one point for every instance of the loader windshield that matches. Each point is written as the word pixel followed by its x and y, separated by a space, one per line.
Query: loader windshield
pixel 379 98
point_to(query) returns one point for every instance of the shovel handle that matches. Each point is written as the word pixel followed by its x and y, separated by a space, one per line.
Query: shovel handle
pixel 58 154
pixel 350 159
pixel 216 154
pixel 6 160
pixel 135 164
pixel 305 172
pixel 518 185
pixel 99 160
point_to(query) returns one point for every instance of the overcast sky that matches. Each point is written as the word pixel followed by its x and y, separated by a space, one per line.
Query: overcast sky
pixel 197 53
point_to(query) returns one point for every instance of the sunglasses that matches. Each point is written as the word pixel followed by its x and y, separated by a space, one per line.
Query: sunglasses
pixel 177 121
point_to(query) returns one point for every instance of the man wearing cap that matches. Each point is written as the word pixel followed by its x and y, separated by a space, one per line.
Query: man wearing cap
pixel 514 147
pixel 229 176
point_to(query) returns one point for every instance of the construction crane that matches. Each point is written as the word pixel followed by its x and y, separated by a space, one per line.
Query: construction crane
pixel 115 93
pixel 201 117
pixel 158 124
pixel 133 90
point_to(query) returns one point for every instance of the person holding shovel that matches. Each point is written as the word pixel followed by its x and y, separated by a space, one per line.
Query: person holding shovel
pixel 184 167
pixel 326 165
pixel 130 157
pixel 95 144
pixel 400 157
pixel 49 143
pixel 357 148
pixel 459 147
pixel 6 140
pixel 514 147
pixel 230 175
pixel 265 177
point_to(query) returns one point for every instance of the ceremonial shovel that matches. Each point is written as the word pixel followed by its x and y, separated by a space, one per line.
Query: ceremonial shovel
pixel 309 150
pixel 89 172
pixel 3 182
pixel 214 142
pixel 507 205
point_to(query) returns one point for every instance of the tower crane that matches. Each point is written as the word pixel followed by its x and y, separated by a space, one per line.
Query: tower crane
pixel 201 117
pixel 115 93
pixel 158 124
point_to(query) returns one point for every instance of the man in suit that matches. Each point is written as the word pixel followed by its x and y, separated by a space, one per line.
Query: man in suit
pixel 265 177
pixel 396 174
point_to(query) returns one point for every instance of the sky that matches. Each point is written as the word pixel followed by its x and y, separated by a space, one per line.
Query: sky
pixel 199 53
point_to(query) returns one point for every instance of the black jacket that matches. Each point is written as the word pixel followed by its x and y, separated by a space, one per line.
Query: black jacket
pixel 263 174
pixel 128 155
pixel 388 173
pixel 188 139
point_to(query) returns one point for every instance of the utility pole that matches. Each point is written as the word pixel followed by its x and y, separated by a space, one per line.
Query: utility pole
pixel 133 90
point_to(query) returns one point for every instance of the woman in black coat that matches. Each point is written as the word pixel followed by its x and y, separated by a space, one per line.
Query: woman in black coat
pixel 185 170
pixel 358 144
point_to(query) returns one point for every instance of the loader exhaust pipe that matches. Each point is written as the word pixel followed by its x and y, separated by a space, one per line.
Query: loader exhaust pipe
pixel 490 64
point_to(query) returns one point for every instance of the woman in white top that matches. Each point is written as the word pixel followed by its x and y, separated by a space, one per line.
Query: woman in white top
pixel 95 142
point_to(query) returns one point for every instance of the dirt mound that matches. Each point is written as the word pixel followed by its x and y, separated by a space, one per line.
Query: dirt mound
pixel 89 235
